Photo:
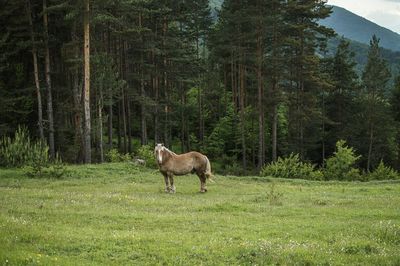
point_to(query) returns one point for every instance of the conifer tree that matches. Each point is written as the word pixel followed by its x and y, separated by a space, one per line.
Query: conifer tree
pixel 340 102
pixel 375 78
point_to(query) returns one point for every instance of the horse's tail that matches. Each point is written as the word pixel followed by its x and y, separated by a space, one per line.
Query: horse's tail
pixel 208 173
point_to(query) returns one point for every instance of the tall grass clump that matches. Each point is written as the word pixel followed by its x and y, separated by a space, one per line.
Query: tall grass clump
pixel 291 167
pixel 341 165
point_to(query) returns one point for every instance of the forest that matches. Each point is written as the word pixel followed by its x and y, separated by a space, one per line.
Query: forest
pixel 246 84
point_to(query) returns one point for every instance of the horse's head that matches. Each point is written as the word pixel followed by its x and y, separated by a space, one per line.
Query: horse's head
pixel 158 152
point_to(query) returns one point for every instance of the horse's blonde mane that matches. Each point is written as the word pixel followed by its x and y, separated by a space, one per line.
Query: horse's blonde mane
pixel 168 150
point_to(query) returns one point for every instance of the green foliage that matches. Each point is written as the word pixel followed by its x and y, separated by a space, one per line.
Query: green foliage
pixel 383 172
pixel 21 151
pixel 218 142
pixel 114 156
pixel 146 153
pixel 291 167
pixel 39 160
pixel 32 156
pixel 341 165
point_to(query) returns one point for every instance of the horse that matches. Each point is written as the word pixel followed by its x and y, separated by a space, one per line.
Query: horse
pixel 170 164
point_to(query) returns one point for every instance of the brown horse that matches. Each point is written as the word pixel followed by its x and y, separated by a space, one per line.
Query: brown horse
pixel 171 164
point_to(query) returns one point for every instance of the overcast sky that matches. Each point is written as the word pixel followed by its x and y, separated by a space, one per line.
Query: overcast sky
pixel 385 13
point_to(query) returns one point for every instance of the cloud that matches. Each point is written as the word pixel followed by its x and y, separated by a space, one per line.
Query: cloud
pixel 385 18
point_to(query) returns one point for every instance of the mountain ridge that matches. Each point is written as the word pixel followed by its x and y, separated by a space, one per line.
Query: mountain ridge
pixel 360 29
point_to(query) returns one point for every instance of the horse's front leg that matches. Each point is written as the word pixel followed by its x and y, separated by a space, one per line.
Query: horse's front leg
pixel 171 181
pixel 167 187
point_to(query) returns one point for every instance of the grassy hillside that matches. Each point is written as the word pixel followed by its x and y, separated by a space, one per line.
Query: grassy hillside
pixel 118 214
pixel 360 29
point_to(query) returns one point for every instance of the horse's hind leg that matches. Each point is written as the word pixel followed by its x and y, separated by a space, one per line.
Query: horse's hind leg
pixel 203 187
pixel 171 181
pixel 167 188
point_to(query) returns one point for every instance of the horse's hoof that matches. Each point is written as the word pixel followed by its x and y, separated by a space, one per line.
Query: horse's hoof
pixel 203 191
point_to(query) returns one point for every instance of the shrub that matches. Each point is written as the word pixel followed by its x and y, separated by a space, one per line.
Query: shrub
pixel 58 168
pixel 114 156
pixel 383 172
pixel 341 165
pixel 21 151
pixel 291 167
pixel 39 159
pixel 146 153
pixel 14 152
pixel 33 156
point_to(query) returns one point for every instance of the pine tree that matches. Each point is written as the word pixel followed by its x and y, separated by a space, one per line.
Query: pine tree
pixel 395 104
pixel 375 78
pixel 340 102
pixel 304 36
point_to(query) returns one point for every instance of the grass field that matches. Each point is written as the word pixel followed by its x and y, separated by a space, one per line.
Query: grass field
pixel 118 214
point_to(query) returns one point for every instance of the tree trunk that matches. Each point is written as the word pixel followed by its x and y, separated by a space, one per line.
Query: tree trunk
pixel 110 122
pixel 323 128
pixel 166 109
pixel 242 114
pixel 35 71
pixel 274 132
pixel 156 91
pixel 100 117
pixel 143 108
pixel 48 82
pixel 371 140
pixel 143 116
pixel 156 135
pixel 86 30
pixel 128 124
pixel 123 114
pixel 77 96
pixel 119 126
pixel 182 135
pixel 110 100
pixel 143 124
pixel 260 89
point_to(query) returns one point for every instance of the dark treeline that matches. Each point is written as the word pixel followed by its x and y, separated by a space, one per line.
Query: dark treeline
pixel 253 85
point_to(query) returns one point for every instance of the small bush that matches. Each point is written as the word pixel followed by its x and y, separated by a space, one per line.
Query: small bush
pixel 341 165
pixel 291 167
pixel 383 172
pixel 39 159
pixel 146 153
pixel 52 169
pixel 58 168
pixel 114 156
pixel 15 152
pixel 21 151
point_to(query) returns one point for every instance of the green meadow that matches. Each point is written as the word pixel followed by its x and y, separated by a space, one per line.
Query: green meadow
pixel 118 214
